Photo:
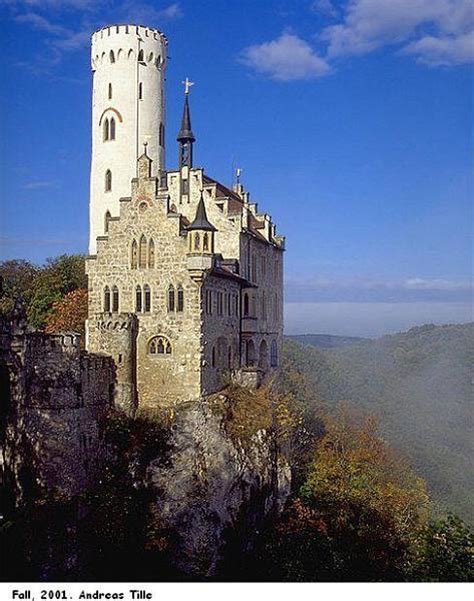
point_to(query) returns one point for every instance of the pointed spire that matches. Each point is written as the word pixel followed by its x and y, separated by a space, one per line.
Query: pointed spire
pixel 200 221
pixel 185 136
pixel 185 133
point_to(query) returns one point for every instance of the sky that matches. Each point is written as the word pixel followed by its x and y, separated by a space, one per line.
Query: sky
pixel 351 121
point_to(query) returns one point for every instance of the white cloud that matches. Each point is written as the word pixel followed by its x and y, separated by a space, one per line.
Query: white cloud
pixel 38 185
pixel 285 59
pixel 437 31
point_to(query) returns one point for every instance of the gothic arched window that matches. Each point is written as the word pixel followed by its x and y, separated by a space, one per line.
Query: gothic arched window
pixel 106 130
pixel 274 354
pixel 246 305
pixel 106 221
pixel 162 135
pixel 147 294
pixel 110 91
pixel 107 300
pixel 115 299
pixel 112 129
pixel 151 253
pixel 138 299
pixel 112 56
pixel 171 298
pixel 159 345
pixel 134 255
pixel 180 303
pixel 142 252
pixel 108 180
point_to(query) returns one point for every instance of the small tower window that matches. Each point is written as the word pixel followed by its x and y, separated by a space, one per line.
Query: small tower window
pixel 246 304
pixel 107 300
pixel 115 299
pixel 180 304
pixel 141 56
pixel 162 134
pixel 106 130
pixel 134 257
pixel 112 129
pixel 205 241
pixel 108 180
pixel 142 253
pixel 151 253
pixel 110 91
pixel 140 91
pixel 107 219
pixel 171 298
pixel 147 292
pixel 112 56
pixel 197 241
pixel 138 299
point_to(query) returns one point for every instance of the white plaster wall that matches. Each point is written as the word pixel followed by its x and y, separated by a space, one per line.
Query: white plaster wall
pixel 139 120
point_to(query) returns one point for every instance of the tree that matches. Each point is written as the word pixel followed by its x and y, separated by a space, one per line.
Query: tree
pixel 69 313
pixel 16 280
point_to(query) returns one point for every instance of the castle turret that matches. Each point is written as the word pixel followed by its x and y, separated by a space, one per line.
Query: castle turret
pixel 128 64
pixel 201 240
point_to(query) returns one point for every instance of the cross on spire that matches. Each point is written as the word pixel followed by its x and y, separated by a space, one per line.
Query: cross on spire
pixel 187 84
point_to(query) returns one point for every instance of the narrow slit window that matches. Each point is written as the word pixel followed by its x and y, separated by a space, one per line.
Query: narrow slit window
pixel 147 292
pixel 180 304
pixel 112 129
pixel 115 299
pixel 138 299
pixel 140 91
pixel 171 298
pixel 108 180
pixel 134 258
pixel 110 91
pixel 107 300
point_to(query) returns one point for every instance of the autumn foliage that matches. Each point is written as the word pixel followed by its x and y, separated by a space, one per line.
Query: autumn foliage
pixel 68 313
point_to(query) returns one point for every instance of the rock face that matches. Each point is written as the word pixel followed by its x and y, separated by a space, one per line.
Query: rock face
pixel 210 484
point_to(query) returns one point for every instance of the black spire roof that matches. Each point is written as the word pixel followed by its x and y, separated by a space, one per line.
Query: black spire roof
pixel 185 133
pixel 200 221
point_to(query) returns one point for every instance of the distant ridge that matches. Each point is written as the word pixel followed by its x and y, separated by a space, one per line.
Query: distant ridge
pixel 326 341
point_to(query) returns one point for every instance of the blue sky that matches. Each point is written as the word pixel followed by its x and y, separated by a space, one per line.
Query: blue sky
pixel 352 122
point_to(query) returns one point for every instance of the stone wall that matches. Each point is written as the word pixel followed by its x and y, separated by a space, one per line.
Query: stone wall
pixel 55 398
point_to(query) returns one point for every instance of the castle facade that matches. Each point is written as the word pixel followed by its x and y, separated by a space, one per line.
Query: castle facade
pixel 185 274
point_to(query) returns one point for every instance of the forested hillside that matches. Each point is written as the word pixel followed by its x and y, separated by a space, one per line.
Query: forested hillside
pixel 419 385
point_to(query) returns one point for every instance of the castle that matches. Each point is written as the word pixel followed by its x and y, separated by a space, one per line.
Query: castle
pixel 185 274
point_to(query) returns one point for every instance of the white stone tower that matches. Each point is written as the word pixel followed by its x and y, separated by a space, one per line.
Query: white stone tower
pixel 128 110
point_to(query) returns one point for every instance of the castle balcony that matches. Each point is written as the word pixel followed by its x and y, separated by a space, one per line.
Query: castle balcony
pixel 249 325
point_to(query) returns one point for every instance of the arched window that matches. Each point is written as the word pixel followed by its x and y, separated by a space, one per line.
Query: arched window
pixel 151 253
pixel 106 130
pixel 107 300
pixel 263 355
pixel 108 180
pixel 171 298
pixel 162 134
pixel 112 56
pixel 274 354
pixel 147 292
pixel 112 129
pixel 250 353
pixel 134 255
pixel 140 91
pixel 106 221
pixel 159 346
pixel 142 252
pixel 138 299
pixel 115 299
pixel 205 241
pixel 196 241
pixel 140 56
pixel 110 91
pixel 246 305
pixel 213 356
pixel 180 303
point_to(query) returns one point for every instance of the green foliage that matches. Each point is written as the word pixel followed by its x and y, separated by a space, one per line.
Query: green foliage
pixel 41 287
pixel 443 552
